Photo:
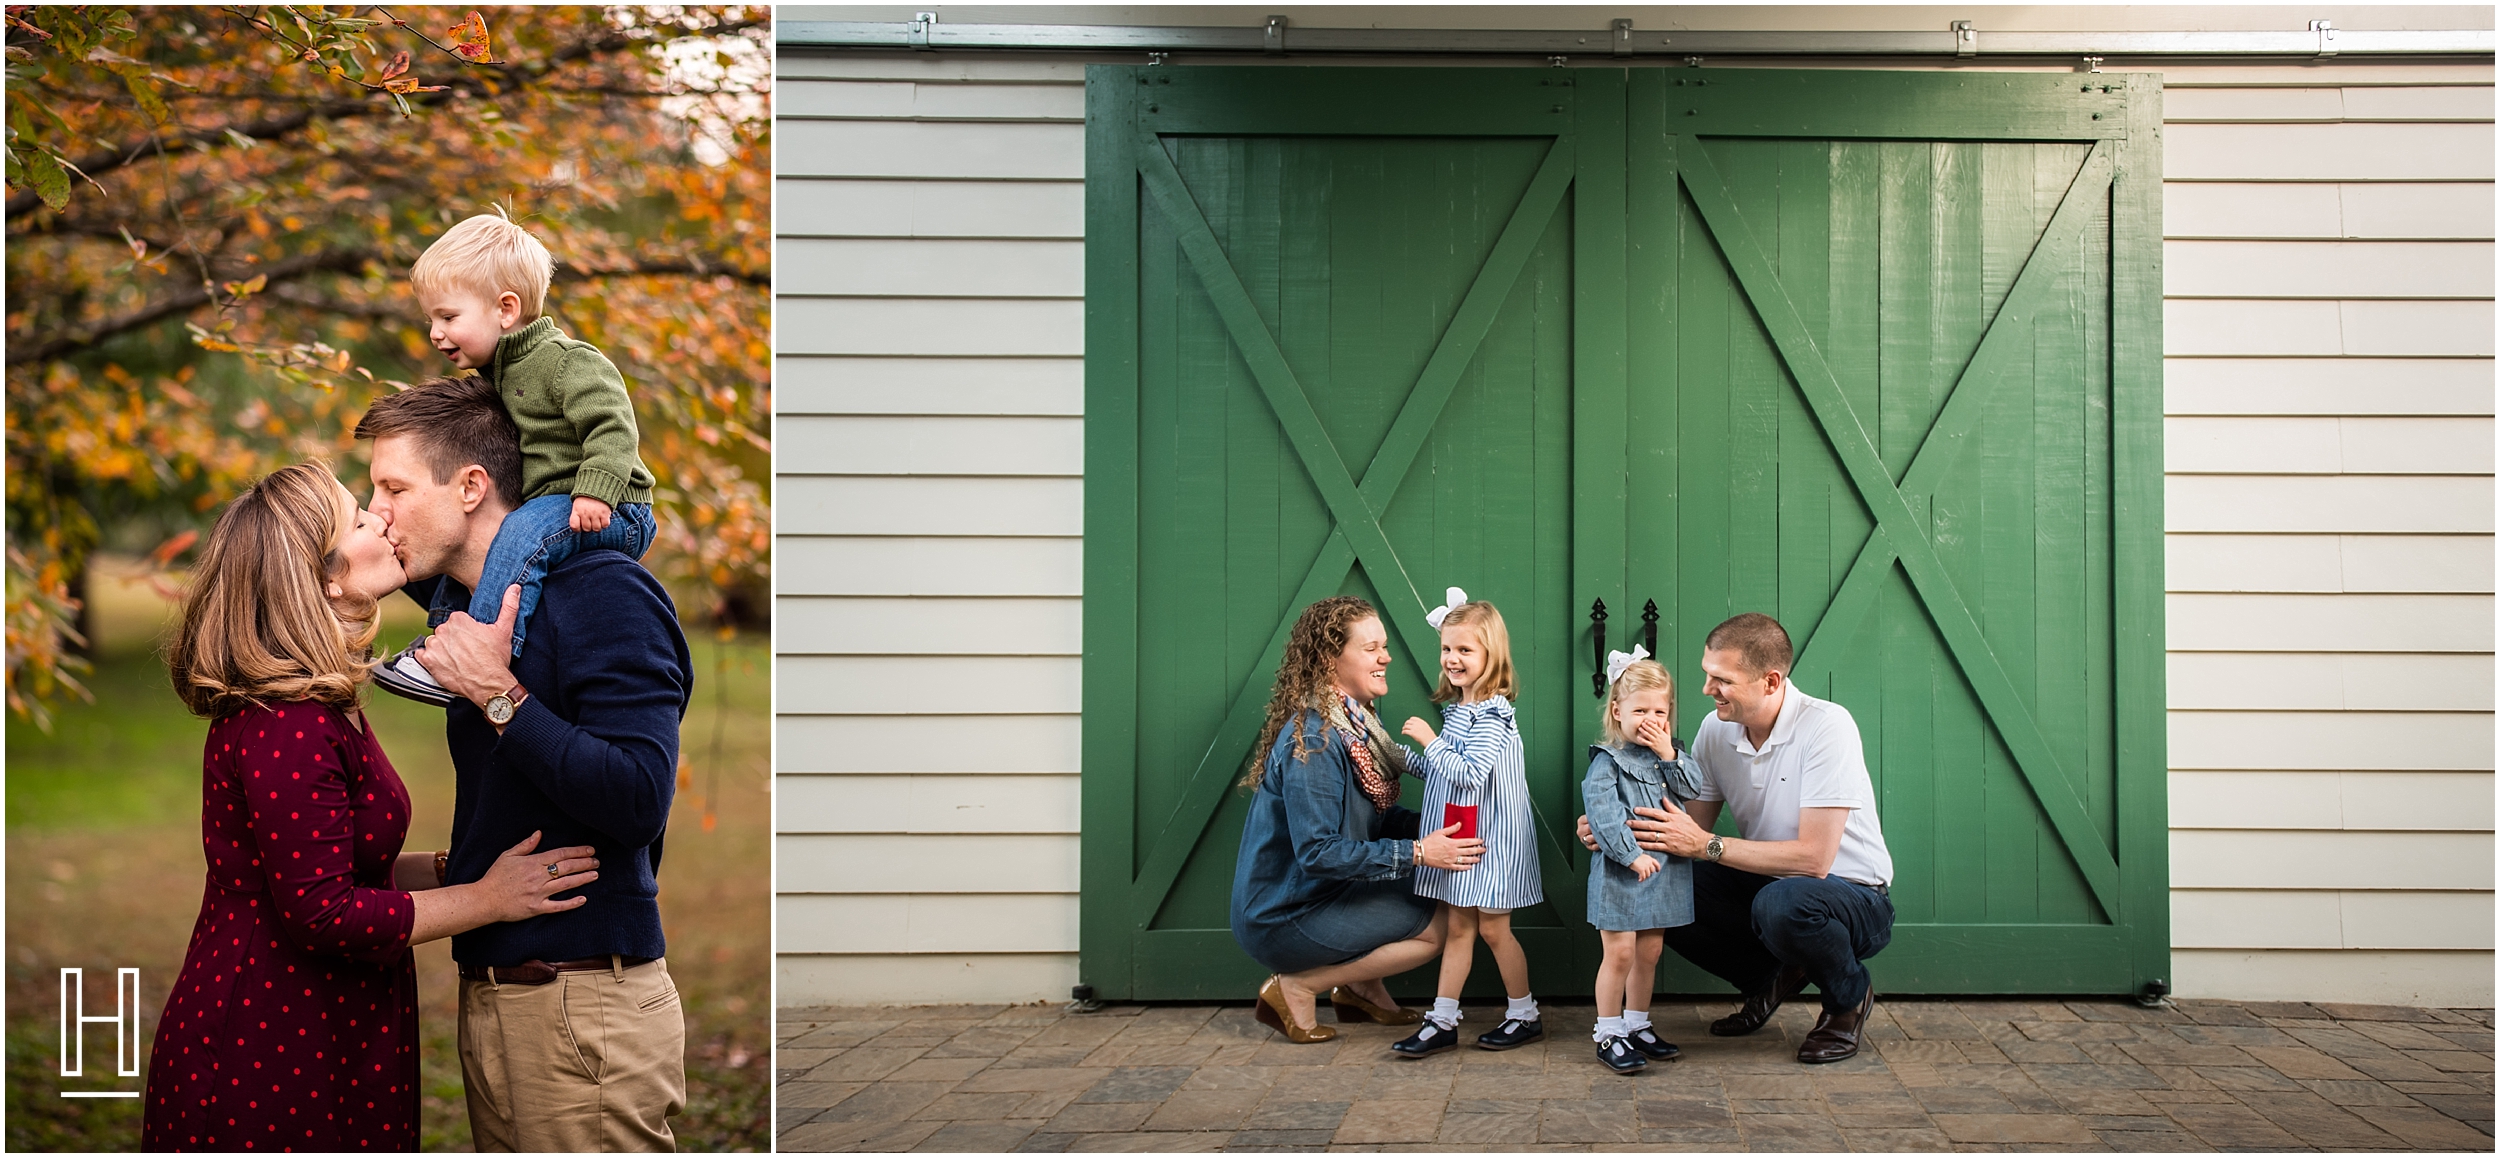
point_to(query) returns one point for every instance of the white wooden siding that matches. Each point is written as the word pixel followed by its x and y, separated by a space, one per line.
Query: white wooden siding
pixel 2329 449
pixel 930 456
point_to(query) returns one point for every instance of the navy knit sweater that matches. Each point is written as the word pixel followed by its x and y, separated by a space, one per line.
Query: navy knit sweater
pixel 590 758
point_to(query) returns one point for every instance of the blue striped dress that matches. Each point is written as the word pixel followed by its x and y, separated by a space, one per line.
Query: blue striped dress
pixel 1479 760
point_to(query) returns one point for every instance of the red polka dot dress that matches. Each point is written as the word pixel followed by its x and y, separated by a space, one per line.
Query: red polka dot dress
pixel 293 1025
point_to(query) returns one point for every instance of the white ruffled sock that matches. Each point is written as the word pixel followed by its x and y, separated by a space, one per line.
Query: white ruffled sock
pixel 1521 1009
pixel 1635 1020
pixel 1608 1027
pixel 1444 1012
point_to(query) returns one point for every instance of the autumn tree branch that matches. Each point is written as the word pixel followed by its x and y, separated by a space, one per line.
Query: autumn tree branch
pixel 103 161
pixel 48 347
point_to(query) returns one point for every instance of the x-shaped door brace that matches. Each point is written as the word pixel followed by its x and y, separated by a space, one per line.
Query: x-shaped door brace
pixel 1899 533
pixel 1356 508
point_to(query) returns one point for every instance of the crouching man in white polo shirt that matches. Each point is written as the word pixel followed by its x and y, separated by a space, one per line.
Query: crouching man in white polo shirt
pixel 1803 894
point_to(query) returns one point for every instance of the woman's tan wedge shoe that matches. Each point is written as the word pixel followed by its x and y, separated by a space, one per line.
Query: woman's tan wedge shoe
pixel 1273 1013
pixel 1350 1006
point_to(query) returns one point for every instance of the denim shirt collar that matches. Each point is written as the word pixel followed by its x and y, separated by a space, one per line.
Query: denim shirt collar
pixel 1636 759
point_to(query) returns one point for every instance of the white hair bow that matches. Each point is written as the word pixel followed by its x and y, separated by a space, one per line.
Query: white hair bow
pixel 1455 597
pixel 1617 662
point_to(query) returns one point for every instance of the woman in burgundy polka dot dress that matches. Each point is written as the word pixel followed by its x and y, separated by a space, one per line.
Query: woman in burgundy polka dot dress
pixel 293 1025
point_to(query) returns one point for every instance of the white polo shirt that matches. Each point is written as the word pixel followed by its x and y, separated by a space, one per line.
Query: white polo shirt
pixel 1812 759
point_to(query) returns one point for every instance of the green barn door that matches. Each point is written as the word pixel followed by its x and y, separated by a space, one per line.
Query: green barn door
pixel 1900 392
pixel 1332 348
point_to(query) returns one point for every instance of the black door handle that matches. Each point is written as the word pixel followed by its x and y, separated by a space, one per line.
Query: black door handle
pixel 1597 620
pixel 1649 627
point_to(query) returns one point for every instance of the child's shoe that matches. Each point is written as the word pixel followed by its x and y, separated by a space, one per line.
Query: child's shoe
pixel 1513 1033
pixel 1619 1056
pixel 1431 1038
pixel 402 675
pixel 1652 1046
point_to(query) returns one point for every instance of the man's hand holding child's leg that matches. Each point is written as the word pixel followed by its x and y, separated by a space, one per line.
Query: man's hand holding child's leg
pixel 590 514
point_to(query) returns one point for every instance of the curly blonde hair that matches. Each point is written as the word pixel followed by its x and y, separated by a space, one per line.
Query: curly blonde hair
pixel 1647 675
pixel 257 626
pixel 1306 678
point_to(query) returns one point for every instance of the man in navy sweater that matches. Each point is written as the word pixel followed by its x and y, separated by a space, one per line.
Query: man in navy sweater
pixel 571 1037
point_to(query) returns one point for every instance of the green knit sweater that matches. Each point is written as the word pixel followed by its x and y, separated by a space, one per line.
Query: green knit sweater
pixel 577 425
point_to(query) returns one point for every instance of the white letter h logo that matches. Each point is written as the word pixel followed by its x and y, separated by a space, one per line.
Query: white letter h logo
pixel 125 1022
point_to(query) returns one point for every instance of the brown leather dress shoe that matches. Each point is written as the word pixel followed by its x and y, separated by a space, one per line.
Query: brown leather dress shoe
pixel 1273 1013
pixel 1758 1007
pixel 1352 1007
pixel 1835 1038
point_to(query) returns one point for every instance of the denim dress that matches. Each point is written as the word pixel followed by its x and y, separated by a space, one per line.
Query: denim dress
pixel 1322 877
pixel 1619 780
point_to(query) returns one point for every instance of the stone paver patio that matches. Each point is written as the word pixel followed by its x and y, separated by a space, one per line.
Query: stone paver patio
pixel 1937 1075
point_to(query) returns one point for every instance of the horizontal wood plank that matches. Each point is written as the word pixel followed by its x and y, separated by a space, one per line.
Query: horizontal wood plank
pixel 2322 623
pixel 2450 979
pixel 2286 564
pixel 2359 504
pixel 945 327
pixel 804 979
pixel 2298 105
pixel 2253 859
pixel 942 805
pixel 2331 741
pixel 2199 327
pixel 921 267
pixel 2359 386
pixel 969 386
pixel 923 100
pixel 924 923
pixel 824 565
pixel 2347 72
pixel 2315 269
pixel 926 149
pixel 2365 801
pixel 793 63
pixel 866 444
pixel 942 685
pixel 2331 682
pixel 820 505
pixel 2327 919
pixel 832 207
pixel 2338 152
pixel 876 745
pixel 872 863
pixel 2287 446
pixel 818 625
pixel 2327 210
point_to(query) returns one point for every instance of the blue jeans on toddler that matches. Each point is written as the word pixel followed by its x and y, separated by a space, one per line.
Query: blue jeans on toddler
pixel 1745 926
pixel 532 541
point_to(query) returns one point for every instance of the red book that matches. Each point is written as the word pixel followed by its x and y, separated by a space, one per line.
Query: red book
pixel 1462 815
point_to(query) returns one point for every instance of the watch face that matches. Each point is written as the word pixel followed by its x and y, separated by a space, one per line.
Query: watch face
pixel 499 710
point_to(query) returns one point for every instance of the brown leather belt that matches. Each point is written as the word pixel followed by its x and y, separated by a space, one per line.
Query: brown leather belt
pixel 537 972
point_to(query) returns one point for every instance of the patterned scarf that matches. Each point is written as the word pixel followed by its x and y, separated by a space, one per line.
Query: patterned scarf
pixel 1352 721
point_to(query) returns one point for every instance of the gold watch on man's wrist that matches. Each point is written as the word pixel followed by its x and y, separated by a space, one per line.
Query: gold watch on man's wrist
pixel 500 708
pixel 1714 850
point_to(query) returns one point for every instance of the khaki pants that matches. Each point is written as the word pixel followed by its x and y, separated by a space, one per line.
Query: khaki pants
pixel 588 1062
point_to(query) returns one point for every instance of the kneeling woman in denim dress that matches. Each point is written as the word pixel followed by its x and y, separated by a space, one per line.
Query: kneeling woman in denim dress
pixel 1323 891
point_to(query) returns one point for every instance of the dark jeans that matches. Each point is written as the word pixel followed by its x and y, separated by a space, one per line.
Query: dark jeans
pixel 1746 926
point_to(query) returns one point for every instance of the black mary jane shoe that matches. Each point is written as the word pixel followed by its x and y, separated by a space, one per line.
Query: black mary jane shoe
pixel 1511 1034
pixel 1620 1057
pixel 1428 1039
pixel 1652 1046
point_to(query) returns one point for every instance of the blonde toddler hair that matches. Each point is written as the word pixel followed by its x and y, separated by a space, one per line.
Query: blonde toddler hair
pixel 489 254
pixel 258 626
pixel 1498 678
pixel 1643 676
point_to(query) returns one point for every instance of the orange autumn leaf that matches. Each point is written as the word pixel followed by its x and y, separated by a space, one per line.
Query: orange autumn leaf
pixel 398 65
pixel 469 39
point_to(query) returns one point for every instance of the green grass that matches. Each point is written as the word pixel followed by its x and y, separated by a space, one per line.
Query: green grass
pixel 105 870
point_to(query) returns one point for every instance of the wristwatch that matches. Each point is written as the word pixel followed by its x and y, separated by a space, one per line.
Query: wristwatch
pixel 442 868
pixel 1715 849
pixel 499 710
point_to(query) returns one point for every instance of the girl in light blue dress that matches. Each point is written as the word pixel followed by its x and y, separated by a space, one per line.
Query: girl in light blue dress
pixel 1476 779
pixel 1635 895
